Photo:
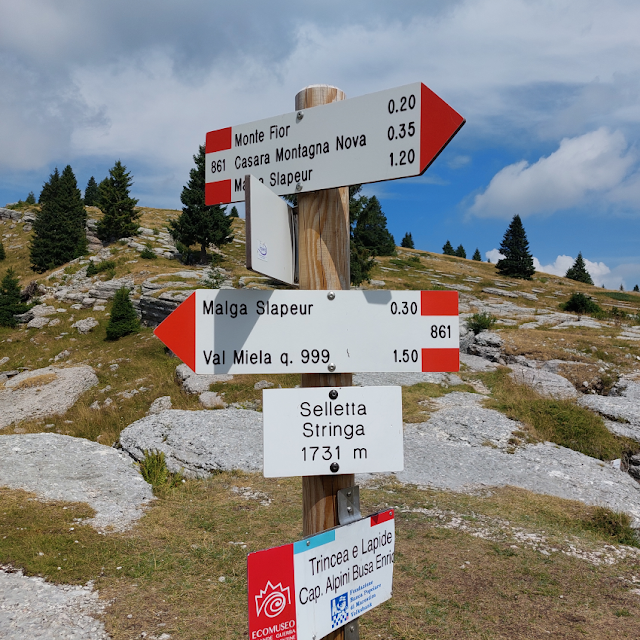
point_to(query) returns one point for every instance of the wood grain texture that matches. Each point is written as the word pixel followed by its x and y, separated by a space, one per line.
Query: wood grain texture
pixel 323 218
pixel 324 254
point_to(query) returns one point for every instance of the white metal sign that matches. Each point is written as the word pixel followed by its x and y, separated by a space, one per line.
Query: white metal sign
pixel 230 331
pixel 305 590
pixel 381 136
pixel 323 430
pixel 271 233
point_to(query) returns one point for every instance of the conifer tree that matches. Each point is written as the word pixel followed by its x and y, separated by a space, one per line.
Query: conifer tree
pixel 517 261
pixel 234 213
pixel 120 217
pixel 407 241
pixel 3 255
pixel 123 319
pixel 91 193
pixel 31 198
pixel 10 302
pixel 477 256
pixel 361 264
pixel 636 288
pixel 370 229
pixel 448 249
pixel 59 227
pixel 460 252
pixel 579 271
pixel 199 223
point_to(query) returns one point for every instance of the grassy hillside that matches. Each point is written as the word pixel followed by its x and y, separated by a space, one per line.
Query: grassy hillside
pixel 501 564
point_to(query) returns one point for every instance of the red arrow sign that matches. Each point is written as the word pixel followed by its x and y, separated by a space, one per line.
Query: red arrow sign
pixel 387 135
pixel 228 331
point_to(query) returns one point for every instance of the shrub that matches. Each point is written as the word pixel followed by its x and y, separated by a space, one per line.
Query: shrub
pixel 148 253
pixel 612 524
pixel 94 268
pixel 581 304
pixel 3 255
pixel 153 469
pixel 123 319
pixel 481 322
pixel 10 302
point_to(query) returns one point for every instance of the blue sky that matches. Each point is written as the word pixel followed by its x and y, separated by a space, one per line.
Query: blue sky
pixel 550 91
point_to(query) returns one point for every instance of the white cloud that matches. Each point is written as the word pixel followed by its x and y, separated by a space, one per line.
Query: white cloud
pixel 494 255
pixel 591 166
pixel 457 162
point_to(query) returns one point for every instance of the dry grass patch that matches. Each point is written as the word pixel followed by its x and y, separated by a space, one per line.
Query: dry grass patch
pixel 165 573
pixel 34 381
pixel 553 420
pixel 416 399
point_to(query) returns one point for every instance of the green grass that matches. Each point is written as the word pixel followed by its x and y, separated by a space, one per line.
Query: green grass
pixel 554 420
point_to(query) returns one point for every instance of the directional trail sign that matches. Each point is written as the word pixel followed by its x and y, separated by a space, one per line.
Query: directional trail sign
pixel 230 331
pixel 307 589
pixel 326 430
pixel 387 135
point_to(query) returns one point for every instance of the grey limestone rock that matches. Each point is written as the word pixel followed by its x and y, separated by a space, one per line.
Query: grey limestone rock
pixel 403 379
pixel 476 363
pixel 105 290
pixel 43 392
pixel 263 384
pixel 198 443
pixel 160 404
pixel 32 608
pixel 194 383
pixel 84 326
pixel 617 408
pixel 57 467
pixel 211 400
pixel 487 345
pixel 544 382
pixel 500 292
pixel 38 323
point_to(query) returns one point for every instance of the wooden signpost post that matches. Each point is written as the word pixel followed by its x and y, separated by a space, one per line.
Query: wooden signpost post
pixel 384 136
pixel 324 255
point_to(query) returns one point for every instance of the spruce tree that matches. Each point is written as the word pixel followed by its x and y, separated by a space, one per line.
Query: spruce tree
pixel 199 223
pixel 460 252
pixel 31 198
pixel 448 249
pixel 59 227
pixel 3 255
pixel 407 241
pixel 579 271
pixel 517 261
pixel 477 256
pixel 123 319
pixel 370 230
pixel 636 288
pixel 91 193
pixel 119 218
pixel 10 302
pixel 234 213
pixel 361 264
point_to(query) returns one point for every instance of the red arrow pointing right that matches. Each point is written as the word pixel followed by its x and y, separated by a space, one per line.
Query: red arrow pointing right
pixel 438 124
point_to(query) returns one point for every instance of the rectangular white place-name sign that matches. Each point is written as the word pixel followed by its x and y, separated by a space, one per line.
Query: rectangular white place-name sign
pixel 231 331
pixel 381 136
pixel 271 233
pixel 325 430
pixel 305 590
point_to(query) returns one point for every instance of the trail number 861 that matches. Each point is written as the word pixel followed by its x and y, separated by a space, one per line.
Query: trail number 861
pixel 442 331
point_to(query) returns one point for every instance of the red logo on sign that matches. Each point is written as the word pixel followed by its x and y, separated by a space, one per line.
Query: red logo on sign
pixel 272 600
pixel 272 607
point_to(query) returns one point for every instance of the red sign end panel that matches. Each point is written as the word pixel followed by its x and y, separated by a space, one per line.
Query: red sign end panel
pixel 178 331
pixel 439 123
pixel 272 594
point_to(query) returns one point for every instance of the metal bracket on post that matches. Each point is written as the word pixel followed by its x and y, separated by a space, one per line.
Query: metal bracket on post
pixel 349 505
pixel 352 630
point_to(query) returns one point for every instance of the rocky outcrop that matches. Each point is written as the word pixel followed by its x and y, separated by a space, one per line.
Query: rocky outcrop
pixel 543 381
pixel 487 345
pixel 43 392
pixel 193 383
pixel 198 443
pixel 57 467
